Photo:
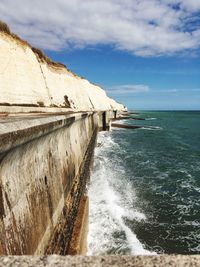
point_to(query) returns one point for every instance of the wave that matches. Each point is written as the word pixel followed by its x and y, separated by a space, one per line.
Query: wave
pixel 152 128
pixel 111 203
pixel 150 119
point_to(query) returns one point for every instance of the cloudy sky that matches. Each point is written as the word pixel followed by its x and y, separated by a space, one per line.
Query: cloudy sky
pixel 145 53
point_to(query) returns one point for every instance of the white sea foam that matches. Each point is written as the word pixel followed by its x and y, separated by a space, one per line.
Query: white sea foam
pixel 112 200
pixel 193 223
pixel 150 119
pixel 123 121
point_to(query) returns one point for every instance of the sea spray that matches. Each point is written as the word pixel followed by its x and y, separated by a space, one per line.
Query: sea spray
pixel 112 200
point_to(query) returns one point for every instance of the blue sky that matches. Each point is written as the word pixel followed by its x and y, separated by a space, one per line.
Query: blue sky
pixel 138 82
pixel 144 53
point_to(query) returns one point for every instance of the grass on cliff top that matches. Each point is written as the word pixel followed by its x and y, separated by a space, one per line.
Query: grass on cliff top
pixel 4 27
pixel 38 52
pixel 44 58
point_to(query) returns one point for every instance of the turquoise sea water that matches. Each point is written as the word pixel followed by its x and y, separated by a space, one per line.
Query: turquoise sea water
pixel 145 187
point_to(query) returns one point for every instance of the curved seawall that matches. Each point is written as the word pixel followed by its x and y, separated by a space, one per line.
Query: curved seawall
pixel 49 119
pixel 40 180
pixel 45 165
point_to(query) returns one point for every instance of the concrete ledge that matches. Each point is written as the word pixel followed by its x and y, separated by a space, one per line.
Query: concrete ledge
pixel 18 130
pixel 138 261
pixel 32 109
pixel 21 109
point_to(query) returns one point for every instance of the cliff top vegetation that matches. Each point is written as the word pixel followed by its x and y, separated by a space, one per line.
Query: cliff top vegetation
pixel 38 52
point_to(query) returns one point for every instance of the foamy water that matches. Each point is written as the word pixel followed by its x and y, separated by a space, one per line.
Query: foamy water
pixel 112 201
pixel 145 187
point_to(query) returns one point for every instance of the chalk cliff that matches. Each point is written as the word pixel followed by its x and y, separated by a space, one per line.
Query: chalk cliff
pixel 29 78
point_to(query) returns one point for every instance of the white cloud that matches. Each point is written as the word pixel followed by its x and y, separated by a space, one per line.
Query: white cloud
pixel 128 89
pixel 145 28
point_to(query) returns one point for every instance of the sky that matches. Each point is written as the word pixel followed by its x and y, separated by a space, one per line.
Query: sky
pixel 144 53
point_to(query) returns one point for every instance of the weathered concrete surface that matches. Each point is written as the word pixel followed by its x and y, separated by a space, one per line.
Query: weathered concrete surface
pixel 7 110
pixel 66 239
pixel 115 261
pixel 44 165
pixel 16 130
pixel 40 176
pixel 78 244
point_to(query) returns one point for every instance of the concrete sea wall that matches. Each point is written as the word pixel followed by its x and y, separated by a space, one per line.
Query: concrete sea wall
pixel 45 162
pixel 40 181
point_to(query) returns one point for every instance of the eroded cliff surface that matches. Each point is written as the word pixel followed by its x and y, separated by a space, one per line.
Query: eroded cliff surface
pixel 27 78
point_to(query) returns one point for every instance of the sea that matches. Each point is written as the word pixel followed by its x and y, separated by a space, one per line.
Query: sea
pixel 144 189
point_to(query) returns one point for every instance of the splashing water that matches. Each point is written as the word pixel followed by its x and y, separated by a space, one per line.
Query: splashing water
pixel 111 203
pixel 145 187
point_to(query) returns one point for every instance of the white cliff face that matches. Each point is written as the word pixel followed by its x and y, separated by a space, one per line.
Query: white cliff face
pixel 21 80
pixel 25 80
